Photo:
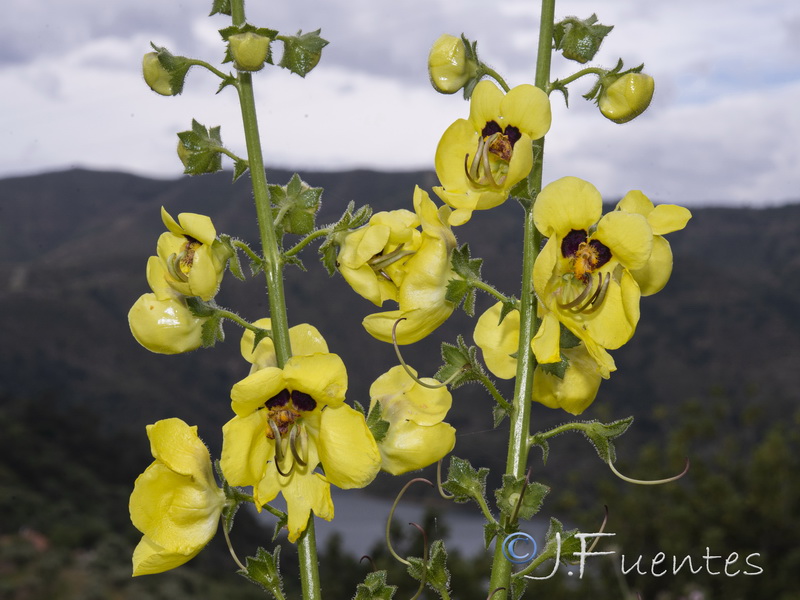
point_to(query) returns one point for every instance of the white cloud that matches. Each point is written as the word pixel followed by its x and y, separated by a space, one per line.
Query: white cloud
pixel 723 125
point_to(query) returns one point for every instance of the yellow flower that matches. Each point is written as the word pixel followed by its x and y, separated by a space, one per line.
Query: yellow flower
pixel 175 503
pixel 416 437
pixel 161 321
pixel 371 258
pixel 583 274
pixel 193 258
pixel 289 421
pixel 421 295
pixel 480 159
pixel 573 392
pixel 626 97
pixel 663 219
pixel 450 64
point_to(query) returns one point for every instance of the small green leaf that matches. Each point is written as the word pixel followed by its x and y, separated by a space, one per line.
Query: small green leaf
pixel 511 499
pixel 377 426
pixel 234 264
pixel 490 531
pixel 200 149
pixel 434 571
pixel 260 335
pixel 240 167
pixel 469 268
pixel 579 39
pixel 302 52
pixel 264 571
pixel 211 331
pixel 375 587
pixel 601 434
pixel 350 219
pixel 295 205
pixel 557 369
pixel 464 482
pixel 221 7
pixel 460 360
pixel 457 289
pixel 200 308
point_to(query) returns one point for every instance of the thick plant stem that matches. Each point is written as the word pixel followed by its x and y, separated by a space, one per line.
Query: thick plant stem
pixel 518 448
pixel 273 269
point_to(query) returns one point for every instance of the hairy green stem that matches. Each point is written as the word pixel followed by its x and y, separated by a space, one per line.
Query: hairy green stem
pixel 273 270
pixel 578 75
pixel 518 448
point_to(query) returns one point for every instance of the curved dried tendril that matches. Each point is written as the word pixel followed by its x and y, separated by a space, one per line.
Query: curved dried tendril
pixel 408 370
pixel 391 514
pixel 651 481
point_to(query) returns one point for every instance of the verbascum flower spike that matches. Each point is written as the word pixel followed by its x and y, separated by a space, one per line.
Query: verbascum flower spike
pixel 417 437
pixel 372 258
pixel 478 160
pixel 421 296
pixel 573 392
pixel 175 503
pixel 583 274
pixel 451 64
pixel 663 219
pixel 288 422
pixel 193 258
pixel 161 321
pixel 625 97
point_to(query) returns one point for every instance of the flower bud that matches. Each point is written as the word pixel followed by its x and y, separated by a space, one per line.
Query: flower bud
pixel 155 75
pixel 249 50
pixel 165 326
pixel 626 97
pixel 450 64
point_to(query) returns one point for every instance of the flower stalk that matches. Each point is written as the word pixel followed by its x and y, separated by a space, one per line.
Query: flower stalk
pixel 518 449
pixel 273 270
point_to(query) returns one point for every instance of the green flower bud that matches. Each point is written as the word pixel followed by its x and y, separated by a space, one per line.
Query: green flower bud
pixel 451 65
pixel 155 75
pixel 579 39
pixel 249 50
pixel 626 97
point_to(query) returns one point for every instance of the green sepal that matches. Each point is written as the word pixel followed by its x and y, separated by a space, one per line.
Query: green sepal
pixel 375 587
pixel 469 269
pixel 557 369
pixel 234 263
pixel 295 205
pixel 471 53
pixel 201 149
pixel 518 500
pixel 498 414
pixel 378 427
pixel 226 81
pixel 200 308
pixel 461 359
pixel 435 572
pixel 569 543
pixel 567 339
pixel 302 52
pixel 350 219
pixel 490 531
pixel 212 332
pixel 227 32
pixel 579 39
pixel 220 7
pixel 240 167
pixel 264 571
pixel 464 482
pixel 601 434
pixel 260 335
pixel 177 66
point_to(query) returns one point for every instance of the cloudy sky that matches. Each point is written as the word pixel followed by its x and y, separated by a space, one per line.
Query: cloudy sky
pixel 723 128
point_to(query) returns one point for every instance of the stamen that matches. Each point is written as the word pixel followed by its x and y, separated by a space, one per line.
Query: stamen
pixel 591 298
pixel 598 298
pixel 580 298
pixel 174 267
pixel 293 441
pixel 278 449
pixel 380 261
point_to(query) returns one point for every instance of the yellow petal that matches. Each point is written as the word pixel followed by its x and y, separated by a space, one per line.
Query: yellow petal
pixel 404 399
pixel 322 376
pixel 528 108
pixel 635 202
pixel 246 449
pixel 409 446
pixel 667 218
pixel 576 391
pixel 199 227
pixel 149 558
pixel 250 394
pixel 306 493
pixel 177 445
pixel 484 105
pixel 347 450
pixel 157 279
pixel 566 204
pixel 546 342
pixel 655 275
pixel 498 341
pixel 628 236
pixel 305 339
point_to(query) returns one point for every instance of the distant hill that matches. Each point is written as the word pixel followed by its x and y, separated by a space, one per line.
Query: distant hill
pixel 73 248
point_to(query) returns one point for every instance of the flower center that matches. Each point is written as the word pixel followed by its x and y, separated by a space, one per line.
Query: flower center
pixel 586 256
pixel 489 166
pixel 179 265
pixel 284 415
pixel 382 260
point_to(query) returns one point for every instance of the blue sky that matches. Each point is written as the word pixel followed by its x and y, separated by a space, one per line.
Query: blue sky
pixel 723 127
